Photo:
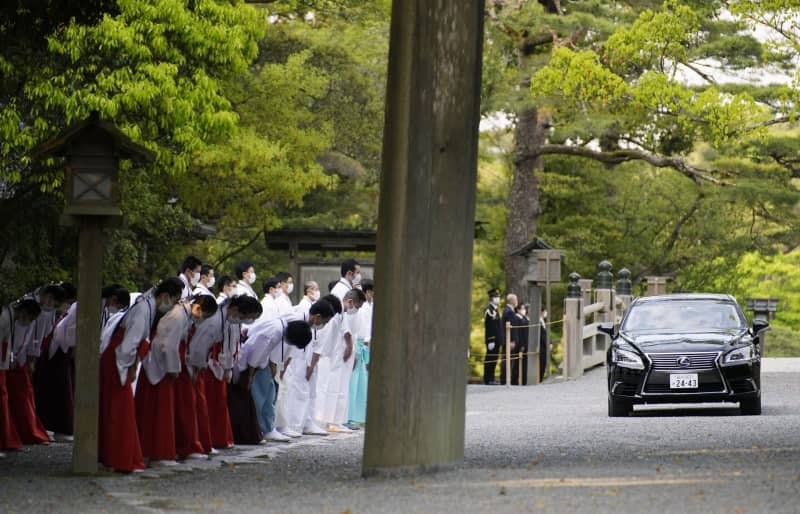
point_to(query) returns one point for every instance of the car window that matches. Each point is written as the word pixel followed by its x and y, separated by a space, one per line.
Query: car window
pixel 683 315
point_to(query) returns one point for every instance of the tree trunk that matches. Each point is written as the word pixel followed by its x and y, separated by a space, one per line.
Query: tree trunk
pixel 523 199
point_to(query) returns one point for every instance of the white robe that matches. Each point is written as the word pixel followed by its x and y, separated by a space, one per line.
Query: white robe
pixel 263 337
pixel 137 321
pixel 208 332
pixel 6 326
pixel 341 288
pixel 245 289
pixel 65 332
pixel 164 355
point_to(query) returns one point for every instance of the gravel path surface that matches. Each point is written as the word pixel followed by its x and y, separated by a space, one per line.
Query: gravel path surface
pixel 549 448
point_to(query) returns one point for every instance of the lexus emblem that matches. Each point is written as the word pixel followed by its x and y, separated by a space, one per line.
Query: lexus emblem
pixel 684 362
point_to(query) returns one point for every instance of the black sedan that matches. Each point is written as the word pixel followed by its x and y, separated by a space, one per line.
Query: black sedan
pixel 684 348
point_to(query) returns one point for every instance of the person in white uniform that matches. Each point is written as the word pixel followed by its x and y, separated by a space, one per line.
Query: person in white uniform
pixel 206 282
pixel 246 277
pixel 227 288
pixel 350 277
pixel 189 273
pixel 285 289
pixel 296 388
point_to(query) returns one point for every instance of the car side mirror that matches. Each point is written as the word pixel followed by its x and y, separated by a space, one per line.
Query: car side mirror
pixel 607 328
pixel 759 325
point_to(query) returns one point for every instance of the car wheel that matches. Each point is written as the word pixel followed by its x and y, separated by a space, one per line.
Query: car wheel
pixel 750 407
pixel 618 408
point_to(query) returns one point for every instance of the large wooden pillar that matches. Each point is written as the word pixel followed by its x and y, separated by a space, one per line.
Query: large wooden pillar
pixel 87 356
pixel 415 413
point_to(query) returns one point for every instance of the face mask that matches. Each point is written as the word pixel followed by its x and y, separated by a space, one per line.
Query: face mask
pixel 495 301
pixel 290 288
pixel 523 312
pixel 164 308
pixel 251 279
pixel 276 293
pixel 315 295
pixel 356 279
pixel 211 282
pixel 352 310
pixel 195 279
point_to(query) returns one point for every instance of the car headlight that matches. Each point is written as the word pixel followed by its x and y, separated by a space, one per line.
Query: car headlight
pixel 626 359
pixel 740 355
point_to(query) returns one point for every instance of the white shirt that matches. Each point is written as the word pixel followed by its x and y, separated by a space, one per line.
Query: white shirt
pixel 244 289
pixel 263 337
pixel 365 322
pixel 283 303
pixel 137 321
pixel 202 289
pixel 303 307
pixel 64 333
pixel 40 328
pixel 187 287
pixel 329 337
pixel 164 355
pixel 341 288
pixel 270 307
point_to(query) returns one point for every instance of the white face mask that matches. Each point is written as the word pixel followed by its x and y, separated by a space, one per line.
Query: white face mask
pixel 290 288
pixel 356 279
pixel 251 278
pixel 495 301
pixel 523 312
pixel 276 293
pixel 195 278
pixel 544 315
pixel 315 295
pixel 352 310
pixel 211 282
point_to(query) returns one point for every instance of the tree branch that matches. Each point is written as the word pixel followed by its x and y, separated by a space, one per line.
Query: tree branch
pixel 632 154
pixel 239 250
pixel 768 123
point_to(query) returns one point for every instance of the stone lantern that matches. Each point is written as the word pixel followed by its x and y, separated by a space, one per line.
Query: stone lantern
pixel 92 149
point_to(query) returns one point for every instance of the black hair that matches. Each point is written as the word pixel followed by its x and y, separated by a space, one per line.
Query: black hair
pixel 207 303
pixel 107 291
pixel 53 290
pixel 349 265
pixel 247 306
pixel 283 276
pixel 173 286
pixel 190 262
pixel 122 295
pixel 356 294
pixel 269 284
pixel 367 285
pixel 205 269
pixel 224 281
pixel 298 333
pixel 70 291
pixel 334 301
pixel 308 285
pixel 29 306
pixel 241 268
pixel 332 284
pixel 323 308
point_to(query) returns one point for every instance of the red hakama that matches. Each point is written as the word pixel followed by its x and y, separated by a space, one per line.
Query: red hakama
pixel 9 438
pixel 217 401
pixel 118 442
pixel 187 436
pixel 155 417
pixel 203 422
pixel 23 407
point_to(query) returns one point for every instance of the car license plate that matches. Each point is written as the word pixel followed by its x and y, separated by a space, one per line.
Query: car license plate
pixel 683 381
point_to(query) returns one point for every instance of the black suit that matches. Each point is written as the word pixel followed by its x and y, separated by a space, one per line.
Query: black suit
pixel 492 334
pixel 518 354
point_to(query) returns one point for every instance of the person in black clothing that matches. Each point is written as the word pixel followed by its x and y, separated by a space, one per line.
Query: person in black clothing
pixel 493 336
pixel 509 316
pixel 543 346
pixel 520 352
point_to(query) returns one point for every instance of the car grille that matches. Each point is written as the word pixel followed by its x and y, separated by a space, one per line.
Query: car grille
pixel 742 385
pixel 669 361
pixel 705 387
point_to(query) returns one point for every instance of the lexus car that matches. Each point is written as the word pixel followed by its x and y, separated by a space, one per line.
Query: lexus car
pixel 684 348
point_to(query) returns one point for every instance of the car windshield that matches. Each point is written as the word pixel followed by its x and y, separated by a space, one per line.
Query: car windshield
pixel 683 316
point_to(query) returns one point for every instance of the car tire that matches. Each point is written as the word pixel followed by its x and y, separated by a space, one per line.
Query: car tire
pixel 751 407
pixel 618 408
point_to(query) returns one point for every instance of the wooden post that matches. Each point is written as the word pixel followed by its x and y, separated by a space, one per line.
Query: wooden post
pixel 415 416
pixel 508 354
pixel 87 353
